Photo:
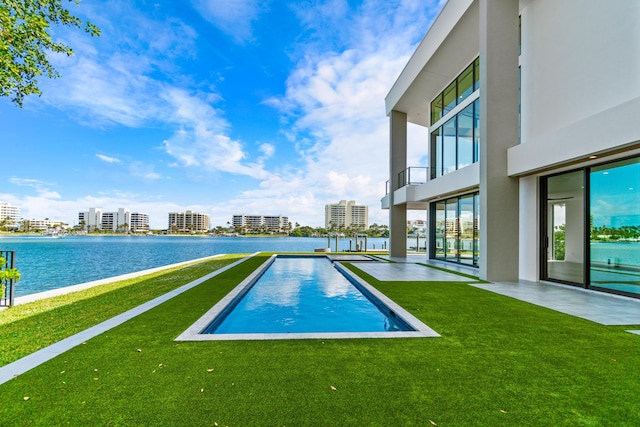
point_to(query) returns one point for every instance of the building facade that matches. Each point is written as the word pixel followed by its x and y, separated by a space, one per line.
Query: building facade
pixel 91 220
pixel 138 222
pixel 189 221
pixel 43 225
pixel 9 215
pixel 534 141
pixel 346 214
pixel 270 222
pixel 122 220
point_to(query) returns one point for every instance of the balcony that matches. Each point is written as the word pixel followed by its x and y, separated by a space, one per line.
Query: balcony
pixel 413 176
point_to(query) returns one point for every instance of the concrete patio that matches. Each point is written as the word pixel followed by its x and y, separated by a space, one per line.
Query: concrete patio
pixel 599 307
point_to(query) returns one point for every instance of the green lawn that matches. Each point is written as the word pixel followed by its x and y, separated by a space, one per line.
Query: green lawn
pixel 499 362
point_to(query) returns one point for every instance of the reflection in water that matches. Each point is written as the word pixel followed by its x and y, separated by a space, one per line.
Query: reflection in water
pixel 304 295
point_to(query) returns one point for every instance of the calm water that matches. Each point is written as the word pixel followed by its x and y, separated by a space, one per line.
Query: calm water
pixel 299 295
pixel 622 253
pixel 47 263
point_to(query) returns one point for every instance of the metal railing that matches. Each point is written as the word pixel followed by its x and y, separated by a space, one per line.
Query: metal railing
pixel 6 286
pixel 413 176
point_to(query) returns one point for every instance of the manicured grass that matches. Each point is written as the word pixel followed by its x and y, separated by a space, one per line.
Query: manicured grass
pixel 27 328
pixel 499 362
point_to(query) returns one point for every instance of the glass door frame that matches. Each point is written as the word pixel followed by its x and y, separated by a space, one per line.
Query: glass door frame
pixel 545 244
pixel 544 223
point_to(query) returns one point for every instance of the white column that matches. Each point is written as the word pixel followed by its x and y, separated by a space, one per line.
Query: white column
pixel 498 132
pixel 397 163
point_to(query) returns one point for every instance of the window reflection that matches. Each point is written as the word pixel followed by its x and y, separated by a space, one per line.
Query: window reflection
pixel 455 236
pixel 458 90
pixel 465 137
pixel 465 83
pixel 436 154
pixel 439 230
pixel 615 226
pixel 451 231
pixel 449 147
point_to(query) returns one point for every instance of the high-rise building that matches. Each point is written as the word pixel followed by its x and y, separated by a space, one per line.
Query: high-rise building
pixel 9 215
pixel 138 222
pixel 91 220
pixel 188 221
pixel 122 220
pixel 346 214
pixel 534 141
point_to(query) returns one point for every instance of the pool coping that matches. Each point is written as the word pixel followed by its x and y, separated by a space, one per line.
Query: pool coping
pixel 193 333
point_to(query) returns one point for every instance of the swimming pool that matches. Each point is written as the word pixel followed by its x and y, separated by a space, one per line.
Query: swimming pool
pixel 304 297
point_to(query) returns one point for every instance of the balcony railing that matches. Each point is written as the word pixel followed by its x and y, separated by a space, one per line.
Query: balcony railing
pixel 413 176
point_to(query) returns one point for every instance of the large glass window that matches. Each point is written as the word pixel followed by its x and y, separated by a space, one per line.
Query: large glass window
pixel 458 90
pixel 476 130
pixel 465 137
pixel 592 227
pixel 465 83
pixel 436 109
pixel 476 74
pixel 455 225
pixel 449 146
pixel 456 144
pixel 615 226
pixel 449 98
pixel 439 231
pixel 436 154
pixel 466 227
pixel 476 228
pixel 451 230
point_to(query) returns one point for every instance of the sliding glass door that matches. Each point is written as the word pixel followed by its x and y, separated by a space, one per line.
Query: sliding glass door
pixel 614 262
pixel 455 229
pixel 591 227
pixel 564 231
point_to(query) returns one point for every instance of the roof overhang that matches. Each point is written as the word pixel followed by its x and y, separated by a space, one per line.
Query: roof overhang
pixel 448 47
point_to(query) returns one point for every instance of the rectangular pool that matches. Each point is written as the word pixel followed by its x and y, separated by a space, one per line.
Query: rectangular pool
pixel 304 297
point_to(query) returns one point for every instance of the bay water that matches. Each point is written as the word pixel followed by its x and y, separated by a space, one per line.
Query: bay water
pixel 47 263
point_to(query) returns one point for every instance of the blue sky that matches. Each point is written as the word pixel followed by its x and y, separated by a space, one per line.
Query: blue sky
pixel 221 107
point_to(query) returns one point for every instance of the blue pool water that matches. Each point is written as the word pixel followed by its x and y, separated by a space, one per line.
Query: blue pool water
pixel 302 295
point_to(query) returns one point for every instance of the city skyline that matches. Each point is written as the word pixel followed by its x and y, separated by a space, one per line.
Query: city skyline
pixel 185 106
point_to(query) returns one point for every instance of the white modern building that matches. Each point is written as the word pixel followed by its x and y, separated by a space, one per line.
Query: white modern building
pixel 138 222
pixel 271 222
pixel 345 214
pixel 122 220
pixel 532 109
pixel 189 221
pixel 9 215
pixel 91 220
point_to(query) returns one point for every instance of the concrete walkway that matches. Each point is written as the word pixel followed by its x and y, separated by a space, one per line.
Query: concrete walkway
pixel 29 362
pixel 404 272
pixel 599 307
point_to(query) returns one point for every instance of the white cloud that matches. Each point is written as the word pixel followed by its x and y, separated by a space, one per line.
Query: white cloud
pixel 234 17
pixel 267 150
pixel 42 187
pixel 336 101
pixel 201 139
pixel 133 83
pixel 107 159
